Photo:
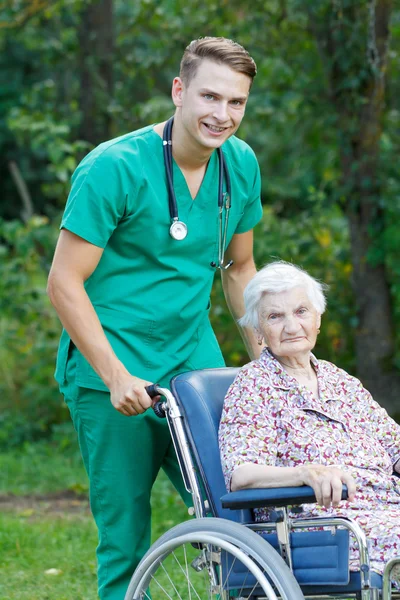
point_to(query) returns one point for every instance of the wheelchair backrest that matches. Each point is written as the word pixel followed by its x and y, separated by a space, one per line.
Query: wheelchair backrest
pixel 200 396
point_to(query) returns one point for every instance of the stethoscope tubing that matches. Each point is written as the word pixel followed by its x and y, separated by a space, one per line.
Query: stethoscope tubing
pixel 167 148
pixel 223 174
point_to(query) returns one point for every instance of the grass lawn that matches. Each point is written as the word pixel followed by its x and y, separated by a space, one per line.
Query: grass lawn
pixel 39 531
pixel 32 545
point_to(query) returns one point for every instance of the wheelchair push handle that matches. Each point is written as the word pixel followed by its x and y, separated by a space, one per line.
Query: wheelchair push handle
pixel 152 390
pixel 158 407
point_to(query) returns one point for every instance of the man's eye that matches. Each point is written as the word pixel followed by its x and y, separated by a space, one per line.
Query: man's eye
pixel 208 96
pixel 237 102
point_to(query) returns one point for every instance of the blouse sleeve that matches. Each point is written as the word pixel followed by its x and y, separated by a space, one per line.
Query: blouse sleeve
pixel 382 427
pixel 247 432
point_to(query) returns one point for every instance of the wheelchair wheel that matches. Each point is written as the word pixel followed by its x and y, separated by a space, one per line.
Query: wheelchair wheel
pixel 212 559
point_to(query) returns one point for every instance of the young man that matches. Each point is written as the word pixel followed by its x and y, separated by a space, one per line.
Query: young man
pixel 131 281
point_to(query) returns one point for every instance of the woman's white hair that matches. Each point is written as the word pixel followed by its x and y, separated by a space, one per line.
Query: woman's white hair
pixel 276 277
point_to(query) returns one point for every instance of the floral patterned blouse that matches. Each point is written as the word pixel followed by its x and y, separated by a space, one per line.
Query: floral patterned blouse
pixel 270 419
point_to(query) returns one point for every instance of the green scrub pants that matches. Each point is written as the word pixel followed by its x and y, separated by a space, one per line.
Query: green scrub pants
pixel 122 456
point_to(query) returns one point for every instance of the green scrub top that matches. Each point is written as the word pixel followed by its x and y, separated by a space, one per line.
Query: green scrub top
pixel 151 292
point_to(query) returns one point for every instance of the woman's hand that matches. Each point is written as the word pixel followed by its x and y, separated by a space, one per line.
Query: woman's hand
pixel 327 483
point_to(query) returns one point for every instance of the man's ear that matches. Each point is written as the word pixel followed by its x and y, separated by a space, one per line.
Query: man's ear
pixel 177 91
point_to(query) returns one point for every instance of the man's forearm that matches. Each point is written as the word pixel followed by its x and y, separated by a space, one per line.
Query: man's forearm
pixel 80 320
pixel 234 281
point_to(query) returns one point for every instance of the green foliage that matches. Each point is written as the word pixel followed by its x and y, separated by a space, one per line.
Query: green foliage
pixel 303 112
pixel 44 467
pixel 48 140
pixel 37 96
pixel 29 331
pixel 290 122
pixel 318 242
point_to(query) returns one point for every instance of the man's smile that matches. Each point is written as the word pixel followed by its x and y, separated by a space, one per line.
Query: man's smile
pixel 215 128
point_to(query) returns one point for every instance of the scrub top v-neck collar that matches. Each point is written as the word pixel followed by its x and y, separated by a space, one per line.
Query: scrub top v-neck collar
pixel 207 192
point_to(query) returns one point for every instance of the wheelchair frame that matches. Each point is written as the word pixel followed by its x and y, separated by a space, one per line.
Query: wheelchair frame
pixel 208 538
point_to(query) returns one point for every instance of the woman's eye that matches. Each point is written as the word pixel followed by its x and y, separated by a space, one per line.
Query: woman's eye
pixel 301 311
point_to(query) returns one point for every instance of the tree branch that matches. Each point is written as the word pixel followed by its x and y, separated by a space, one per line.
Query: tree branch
pixel 23 191
pixel 34 8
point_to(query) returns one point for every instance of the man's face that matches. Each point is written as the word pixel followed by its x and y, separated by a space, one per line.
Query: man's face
pixel 212 106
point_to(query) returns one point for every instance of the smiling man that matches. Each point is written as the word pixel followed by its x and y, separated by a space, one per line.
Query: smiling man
pixel 140 243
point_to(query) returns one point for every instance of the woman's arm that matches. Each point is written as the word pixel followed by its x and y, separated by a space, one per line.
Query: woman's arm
pixel 326 481
pixel 248 427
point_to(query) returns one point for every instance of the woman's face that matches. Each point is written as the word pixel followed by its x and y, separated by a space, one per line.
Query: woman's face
pixel 289 322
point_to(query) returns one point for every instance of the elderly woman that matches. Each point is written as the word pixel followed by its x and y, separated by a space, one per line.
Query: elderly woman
pixel 290 419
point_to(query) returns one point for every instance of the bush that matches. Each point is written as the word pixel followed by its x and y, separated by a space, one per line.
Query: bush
pixel 318 242
pixel 29 329
pixel 30 403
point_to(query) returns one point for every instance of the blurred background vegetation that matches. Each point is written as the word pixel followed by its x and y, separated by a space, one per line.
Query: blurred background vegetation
pixel 323 118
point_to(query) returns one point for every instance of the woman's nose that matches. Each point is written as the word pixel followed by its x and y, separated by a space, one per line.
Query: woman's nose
pixel 291 324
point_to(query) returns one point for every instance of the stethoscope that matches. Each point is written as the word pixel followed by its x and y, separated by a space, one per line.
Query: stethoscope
pixel 178 229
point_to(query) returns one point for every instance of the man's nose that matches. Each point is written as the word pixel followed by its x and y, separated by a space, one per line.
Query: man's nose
pixel 221 112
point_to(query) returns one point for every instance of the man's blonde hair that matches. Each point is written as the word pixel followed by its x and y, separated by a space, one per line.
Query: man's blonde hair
pixel 220 50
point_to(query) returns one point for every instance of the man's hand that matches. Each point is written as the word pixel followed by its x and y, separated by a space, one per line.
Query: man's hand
pixel 129 397
pixel 327 483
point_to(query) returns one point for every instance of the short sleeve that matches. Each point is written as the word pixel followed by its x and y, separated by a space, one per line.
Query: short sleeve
pixel 253 209
pixel 97 200
pixel 248 432
pixel 380 426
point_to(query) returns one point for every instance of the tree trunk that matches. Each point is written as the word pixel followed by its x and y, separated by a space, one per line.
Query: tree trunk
pixel 360 115
pixel 96 41
pixel 374 334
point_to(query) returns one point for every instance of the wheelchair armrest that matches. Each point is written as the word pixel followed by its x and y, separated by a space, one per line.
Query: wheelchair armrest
pixel 261 497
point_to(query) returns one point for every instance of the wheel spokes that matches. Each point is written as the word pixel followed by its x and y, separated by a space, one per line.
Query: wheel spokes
pixel 179 577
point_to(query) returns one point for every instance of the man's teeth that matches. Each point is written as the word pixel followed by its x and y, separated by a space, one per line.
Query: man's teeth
pixel 213 128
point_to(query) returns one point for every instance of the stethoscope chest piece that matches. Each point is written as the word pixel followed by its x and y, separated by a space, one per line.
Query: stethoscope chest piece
pixel 178 230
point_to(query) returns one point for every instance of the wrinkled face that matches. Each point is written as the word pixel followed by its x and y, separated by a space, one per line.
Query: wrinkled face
pixel 212 106
pixel 289 322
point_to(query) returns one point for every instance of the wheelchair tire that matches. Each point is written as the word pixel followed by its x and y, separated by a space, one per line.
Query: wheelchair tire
pixel 193 561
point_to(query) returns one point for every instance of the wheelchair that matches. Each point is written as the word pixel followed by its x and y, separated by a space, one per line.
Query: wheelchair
pixel 223 553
